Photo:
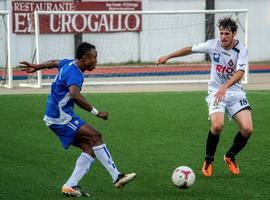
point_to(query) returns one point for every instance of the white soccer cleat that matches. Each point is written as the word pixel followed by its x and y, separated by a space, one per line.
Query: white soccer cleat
pixel 123 179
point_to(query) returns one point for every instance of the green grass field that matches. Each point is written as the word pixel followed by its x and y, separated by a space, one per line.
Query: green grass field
pixel 149 133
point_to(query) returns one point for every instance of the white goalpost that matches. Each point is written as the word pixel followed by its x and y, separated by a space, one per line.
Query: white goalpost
pixel 127 56
pixel 5 54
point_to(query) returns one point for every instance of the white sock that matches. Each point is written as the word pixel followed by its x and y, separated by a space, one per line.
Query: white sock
pixel 103 155
pixel 82 166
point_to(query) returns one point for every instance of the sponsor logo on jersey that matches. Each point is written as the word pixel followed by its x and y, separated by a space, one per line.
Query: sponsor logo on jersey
pixel 216 57
pixel 224 70
pixel 230 62
pixel 224 73
pixel 225 53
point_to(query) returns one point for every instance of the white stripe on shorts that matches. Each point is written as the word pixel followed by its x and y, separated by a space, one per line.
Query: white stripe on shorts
pixel 72 126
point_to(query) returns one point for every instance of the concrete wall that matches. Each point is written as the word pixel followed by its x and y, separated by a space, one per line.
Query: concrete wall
pixel 160 35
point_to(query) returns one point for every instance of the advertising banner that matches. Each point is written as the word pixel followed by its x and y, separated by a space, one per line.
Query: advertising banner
pixel 23 17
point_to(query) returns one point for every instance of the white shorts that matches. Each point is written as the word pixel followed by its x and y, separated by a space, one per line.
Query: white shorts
pixel 232 103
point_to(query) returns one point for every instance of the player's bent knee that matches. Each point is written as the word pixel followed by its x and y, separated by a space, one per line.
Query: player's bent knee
pixel 247 131
pixel 217 129
pixel 97 139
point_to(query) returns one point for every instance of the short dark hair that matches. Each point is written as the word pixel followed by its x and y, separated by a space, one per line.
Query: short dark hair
pixel 228 23
pixel 83 48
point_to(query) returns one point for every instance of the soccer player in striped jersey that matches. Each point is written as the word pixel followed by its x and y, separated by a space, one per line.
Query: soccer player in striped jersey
pixel 70 128
pixel 229 61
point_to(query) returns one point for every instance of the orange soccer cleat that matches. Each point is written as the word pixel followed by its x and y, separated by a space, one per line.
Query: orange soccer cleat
pixel 233 167
pixel 207 169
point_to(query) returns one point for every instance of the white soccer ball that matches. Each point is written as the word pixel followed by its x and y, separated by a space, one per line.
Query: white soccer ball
pixel 183 177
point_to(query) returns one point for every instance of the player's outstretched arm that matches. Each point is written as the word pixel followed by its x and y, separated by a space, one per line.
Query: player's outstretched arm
pixel 181 52
pixel 30 67
pixel 75 94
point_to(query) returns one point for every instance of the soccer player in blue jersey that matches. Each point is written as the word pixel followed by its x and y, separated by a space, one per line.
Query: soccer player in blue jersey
pixel 70 128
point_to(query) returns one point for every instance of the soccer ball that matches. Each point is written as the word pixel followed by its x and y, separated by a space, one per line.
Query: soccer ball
pixel 183 177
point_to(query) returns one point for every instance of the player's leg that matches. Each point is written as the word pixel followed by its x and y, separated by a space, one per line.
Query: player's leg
pixel 82 166
pixel 102 153
pixel 83 163
pixel 66 133
pixel 244 121
pixel 216 115
pixel 217 123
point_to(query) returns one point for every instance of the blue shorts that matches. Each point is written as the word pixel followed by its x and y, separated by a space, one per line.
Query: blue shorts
pixel 67 132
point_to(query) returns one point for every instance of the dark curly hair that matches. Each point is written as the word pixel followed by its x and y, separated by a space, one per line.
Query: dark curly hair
pixel 83 48
pixel 228 23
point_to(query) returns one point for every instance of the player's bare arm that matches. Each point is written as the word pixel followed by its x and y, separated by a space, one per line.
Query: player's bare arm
pixel 234 79
pixel 30 67
pixel 82 102
pixel 181 52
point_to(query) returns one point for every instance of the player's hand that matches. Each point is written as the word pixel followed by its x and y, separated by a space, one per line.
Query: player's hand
pixel 103 115
pixel 162 60
pixel 28 67
pixel 220 95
